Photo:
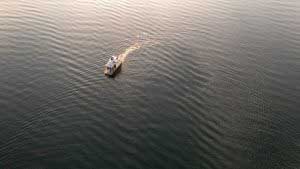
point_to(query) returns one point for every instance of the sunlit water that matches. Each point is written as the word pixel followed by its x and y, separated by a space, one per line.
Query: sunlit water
pixel 205 84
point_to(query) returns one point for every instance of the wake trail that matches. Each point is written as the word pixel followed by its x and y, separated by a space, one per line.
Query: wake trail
pixel 129 50
pixel 141 40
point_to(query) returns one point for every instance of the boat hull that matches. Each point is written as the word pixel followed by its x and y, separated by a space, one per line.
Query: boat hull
pixel 114 72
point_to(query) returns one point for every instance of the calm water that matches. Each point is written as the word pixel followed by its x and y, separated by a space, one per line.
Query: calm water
pixel 215 84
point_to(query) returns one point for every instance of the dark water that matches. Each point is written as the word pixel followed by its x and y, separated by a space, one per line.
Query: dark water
pixel 215 84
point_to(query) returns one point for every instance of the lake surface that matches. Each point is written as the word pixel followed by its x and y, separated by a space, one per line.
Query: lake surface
pixel 215 84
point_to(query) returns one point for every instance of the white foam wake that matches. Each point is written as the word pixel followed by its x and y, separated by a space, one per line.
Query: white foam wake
pixel 129 50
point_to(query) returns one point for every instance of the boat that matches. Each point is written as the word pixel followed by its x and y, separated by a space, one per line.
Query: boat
pixel 113 65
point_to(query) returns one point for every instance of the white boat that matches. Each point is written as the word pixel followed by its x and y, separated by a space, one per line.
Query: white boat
pixel 113 65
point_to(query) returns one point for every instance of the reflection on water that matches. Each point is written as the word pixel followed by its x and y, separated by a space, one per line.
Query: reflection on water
pixel 205 84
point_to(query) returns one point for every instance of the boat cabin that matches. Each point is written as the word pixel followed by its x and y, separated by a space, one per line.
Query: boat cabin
pixel 112 65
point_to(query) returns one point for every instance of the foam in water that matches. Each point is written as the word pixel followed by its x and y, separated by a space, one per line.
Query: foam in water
pixel 141 40
pixel 130 49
